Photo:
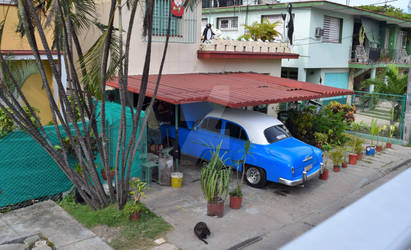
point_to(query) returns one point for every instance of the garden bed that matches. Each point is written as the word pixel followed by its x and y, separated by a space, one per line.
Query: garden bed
pixel 115 228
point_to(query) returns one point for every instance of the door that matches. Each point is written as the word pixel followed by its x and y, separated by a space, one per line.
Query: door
pixel 203 138
pixel 234 139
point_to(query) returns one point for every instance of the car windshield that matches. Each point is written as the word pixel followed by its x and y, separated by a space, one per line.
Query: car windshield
pixel 276 133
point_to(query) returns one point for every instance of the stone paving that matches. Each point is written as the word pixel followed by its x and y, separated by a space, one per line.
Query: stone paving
pixel 275 214
pixel 51 221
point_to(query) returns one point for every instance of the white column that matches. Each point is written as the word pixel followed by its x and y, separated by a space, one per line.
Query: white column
pixel 373 73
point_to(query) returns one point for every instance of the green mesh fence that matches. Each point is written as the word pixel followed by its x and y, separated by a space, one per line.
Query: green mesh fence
pixel 28 173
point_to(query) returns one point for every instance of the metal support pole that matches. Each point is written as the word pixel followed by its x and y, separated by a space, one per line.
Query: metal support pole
pixel 407 116
pixel 176 150
pixel 373 73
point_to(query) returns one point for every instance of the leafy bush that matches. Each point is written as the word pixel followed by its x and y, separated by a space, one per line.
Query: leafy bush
pixel 348 110
pixel 264 31
pixel 305 124
pixel 7 125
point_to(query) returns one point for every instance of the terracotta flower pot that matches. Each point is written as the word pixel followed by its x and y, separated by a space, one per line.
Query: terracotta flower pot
pixel 135 216
pixel 235 202
pixel 344 165
pixel 388 145
pixel 215 208
pixel 103 174
pixel 359 157
pixel 379 148
pixel 352 159
pixel 336 169
pixel 112 173
pixel 324 175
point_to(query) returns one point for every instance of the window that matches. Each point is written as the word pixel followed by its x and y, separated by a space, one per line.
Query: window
pixel 332 29
pixel 212 124
pixel 227 23
pixel 276 133
pixel 235 131
pixel 160 19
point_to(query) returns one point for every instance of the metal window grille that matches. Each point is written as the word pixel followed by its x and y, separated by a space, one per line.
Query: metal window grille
pixel 182 30
pixel 332 29
pixel 228 23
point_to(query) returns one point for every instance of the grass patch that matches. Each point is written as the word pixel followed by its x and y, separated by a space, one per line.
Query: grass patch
pixel 133 234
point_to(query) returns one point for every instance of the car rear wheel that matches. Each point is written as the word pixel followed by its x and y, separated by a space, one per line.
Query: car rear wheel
pixel 255 176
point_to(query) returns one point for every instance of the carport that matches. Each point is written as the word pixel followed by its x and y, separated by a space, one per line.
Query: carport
pixel 233 90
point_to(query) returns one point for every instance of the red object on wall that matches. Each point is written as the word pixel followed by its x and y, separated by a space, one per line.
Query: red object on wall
pixel 177 8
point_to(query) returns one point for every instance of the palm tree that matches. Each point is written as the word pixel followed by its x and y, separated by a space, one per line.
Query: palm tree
pixel 264 31
pixel 391 82
pixel 88 74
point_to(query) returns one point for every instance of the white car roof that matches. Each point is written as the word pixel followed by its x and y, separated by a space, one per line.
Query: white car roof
pixel 253 122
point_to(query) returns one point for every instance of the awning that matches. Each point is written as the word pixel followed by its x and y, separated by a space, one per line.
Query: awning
pixel 231 89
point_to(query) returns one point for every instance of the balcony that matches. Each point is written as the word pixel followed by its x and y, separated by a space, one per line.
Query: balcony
pixel 234 49
pixel 371 56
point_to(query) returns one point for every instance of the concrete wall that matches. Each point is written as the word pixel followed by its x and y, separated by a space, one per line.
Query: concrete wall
pixel 181 57
pixel 12 40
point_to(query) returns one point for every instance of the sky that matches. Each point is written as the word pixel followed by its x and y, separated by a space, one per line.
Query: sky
pixel 403 4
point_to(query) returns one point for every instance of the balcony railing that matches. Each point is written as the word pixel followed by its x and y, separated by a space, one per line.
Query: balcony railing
pixel 364 55
pixel 245 46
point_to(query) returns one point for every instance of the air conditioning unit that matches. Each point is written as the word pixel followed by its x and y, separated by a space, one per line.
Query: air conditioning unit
pixel 319 32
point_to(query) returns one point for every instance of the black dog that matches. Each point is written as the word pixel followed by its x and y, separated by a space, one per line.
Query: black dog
pixel 201 231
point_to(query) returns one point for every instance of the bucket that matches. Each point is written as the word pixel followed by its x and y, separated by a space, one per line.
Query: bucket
pixel 176 179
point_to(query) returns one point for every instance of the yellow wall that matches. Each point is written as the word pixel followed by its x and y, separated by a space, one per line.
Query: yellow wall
pixel 37 96
pixel 12 40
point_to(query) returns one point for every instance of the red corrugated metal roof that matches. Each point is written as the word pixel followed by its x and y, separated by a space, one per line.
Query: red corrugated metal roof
pixel 231 89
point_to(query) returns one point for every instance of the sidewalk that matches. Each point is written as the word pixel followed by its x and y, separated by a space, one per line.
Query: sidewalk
pixel 52 222
pixel 275 214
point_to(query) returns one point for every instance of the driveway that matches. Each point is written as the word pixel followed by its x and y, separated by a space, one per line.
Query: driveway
pixel 275 214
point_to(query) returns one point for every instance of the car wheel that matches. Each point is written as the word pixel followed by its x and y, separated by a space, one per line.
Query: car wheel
pixel 255 177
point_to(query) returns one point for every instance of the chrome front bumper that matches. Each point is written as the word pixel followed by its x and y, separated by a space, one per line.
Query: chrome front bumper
pixel 302 180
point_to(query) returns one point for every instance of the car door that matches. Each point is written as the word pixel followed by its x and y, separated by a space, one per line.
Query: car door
pixel 234 139
pixel 203 138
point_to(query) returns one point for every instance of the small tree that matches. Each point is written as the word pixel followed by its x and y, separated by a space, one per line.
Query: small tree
pixel 87 80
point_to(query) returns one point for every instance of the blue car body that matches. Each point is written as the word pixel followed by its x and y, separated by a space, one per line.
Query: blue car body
pixel 287 160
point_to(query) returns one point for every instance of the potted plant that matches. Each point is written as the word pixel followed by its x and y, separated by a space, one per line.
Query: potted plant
pixel 344 151
pixel 214 180
pixel 324 172
pixel 134 209
pixel 370 150
pixel 391 132
pixel 337 157
pixel 352 157
pixel 236 195
pixel 104 174
pixel 358 147
pixel 379 146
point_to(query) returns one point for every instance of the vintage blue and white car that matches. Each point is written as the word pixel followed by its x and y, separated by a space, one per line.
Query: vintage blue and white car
pixel 274 156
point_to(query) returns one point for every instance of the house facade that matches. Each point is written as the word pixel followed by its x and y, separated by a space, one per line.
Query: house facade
pixel 17 51
pixel 182 56
pixel 327 38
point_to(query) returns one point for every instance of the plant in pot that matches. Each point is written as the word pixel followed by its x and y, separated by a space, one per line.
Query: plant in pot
pixel 134 209
pixel 336 156
pixel 236 195
pixel 104 174
pixel 379 144
pixel 350 144
pixel 324 172
pixel 370 150
pixel 344 151
pixel 215 180
pixel 358 147
pixel 390 133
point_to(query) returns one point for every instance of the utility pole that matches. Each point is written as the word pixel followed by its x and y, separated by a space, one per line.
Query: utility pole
pixel 407 116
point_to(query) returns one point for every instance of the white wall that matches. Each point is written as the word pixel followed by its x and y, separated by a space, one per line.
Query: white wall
pixel 181 57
